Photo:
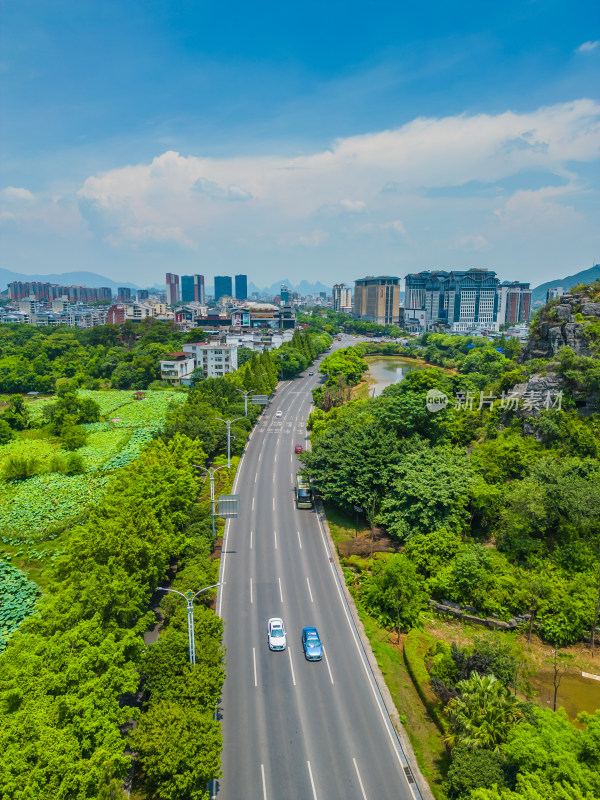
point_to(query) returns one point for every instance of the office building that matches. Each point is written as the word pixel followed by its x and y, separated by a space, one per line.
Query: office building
pixel 173 293
pixel 514 302
pixel 241 287
pixel 223 287
pixel 192 289
pixel 284 295
pixel 461 300
pixel 377 299
pixel 341 298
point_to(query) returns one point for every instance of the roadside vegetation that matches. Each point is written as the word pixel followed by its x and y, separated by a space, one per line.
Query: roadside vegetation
pixel 492 509
pixel 101 504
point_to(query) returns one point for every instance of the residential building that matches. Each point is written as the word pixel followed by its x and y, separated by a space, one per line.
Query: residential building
pixel 173 293
pixel 552 294
pixel 223 287
pixel 177 367
pixel 514 302
pixel 18 290
pixel 341 298
pixel 241 287
pixel 123 294
pixel 192 289
pixel 142 294
pixel 214 359
pixel 377 299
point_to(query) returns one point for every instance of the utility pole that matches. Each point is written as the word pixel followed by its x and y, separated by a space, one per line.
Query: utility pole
pixel 189 598
pixel 228 423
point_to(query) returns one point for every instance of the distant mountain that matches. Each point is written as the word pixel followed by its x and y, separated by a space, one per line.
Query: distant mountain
pixel 303 288
pixel 91 279
pixel 585 276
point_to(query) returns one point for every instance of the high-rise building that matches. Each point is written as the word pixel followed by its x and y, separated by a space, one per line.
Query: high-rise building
pixel 341 298
pixel 173 295
pixel 142 294
pixel 284 295
pixel 18 290
pixel 223 287
pixel 192 289
pixel 514 302
pixel 241 287
pixel 377 299
pixel 123 294
pixel 461 299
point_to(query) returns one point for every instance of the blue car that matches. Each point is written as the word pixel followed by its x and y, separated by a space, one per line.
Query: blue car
pixel 313 649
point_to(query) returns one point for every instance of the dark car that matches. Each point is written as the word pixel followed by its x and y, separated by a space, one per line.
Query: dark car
pixel 313 649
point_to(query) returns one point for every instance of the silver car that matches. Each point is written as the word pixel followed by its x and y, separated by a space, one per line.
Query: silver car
pixel 276 634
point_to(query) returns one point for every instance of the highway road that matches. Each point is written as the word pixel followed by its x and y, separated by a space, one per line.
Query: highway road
pixel 292 728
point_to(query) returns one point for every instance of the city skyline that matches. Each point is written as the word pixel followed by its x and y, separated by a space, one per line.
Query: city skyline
pixel 322 151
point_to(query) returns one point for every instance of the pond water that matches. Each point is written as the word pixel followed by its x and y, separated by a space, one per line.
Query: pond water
pixel 386 371
pixel 575 692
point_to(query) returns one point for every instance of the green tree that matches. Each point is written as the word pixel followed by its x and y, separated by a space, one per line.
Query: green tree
pixel 395 593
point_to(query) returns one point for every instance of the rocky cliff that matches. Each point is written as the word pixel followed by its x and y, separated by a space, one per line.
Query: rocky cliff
pixel 567 323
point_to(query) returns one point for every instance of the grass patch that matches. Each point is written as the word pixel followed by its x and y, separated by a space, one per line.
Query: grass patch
pixel 425 738
pixel 343 527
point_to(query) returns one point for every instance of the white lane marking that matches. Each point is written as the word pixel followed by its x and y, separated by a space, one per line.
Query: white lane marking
pixel 275 459
pixel 309 591
pixel 299 540
pixel 225 542
pixel 312 783
pixel 254 660
pixel 255 477
pixel 252 504
pixel 362 788
pixel 251 540
pixel 292 666
pixel 280 592
pixel 291 457
pixel 273 477
pixel 328 667
pixel 275 535
pixel 251 600
pixel 264 783
pixel 273 504
pixel 362 656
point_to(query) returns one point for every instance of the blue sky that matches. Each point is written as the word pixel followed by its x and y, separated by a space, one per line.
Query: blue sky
pixel 305 140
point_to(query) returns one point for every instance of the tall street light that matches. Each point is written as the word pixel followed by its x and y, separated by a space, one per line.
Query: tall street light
pixel 246 393
pixel 228 423
pixel 189 598
pixel 211 474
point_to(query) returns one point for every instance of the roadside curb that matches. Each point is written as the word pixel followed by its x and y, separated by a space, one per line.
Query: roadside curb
pixel 422 785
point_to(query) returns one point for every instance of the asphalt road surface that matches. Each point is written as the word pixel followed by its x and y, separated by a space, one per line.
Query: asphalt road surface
pixel 293 728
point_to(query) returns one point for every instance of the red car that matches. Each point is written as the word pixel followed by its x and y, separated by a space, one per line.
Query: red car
pixel 298 448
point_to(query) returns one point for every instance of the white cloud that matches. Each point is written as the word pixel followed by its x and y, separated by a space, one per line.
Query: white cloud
pixel 395 225
pixel 471 242
pixel 16 193
pixel 587 47
pixel 538 209
pixel 183 198
pixel 312 239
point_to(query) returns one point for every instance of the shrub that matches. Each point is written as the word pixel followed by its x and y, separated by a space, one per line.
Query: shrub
pixel 75 464
pixel 73 437
pixel 6 433
pixel 57 464
pixel 480 769
pixel 18 468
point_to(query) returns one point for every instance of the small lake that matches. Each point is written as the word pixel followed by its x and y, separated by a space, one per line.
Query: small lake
pixel 575 692
pixel 386 371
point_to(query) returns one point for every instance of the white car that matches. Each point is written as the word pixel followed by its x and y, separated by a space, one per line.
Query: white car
pixel 276 634
pixel 278 413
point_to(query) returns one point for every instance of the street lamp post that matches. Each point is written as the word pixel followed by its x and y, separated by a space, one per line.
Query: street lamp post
pixel 211 474
pixel 189 598
pixel 228 423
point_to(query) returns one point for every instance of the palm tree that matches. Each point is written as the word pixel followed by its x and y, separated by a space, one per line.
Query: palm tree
pixel 483 714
